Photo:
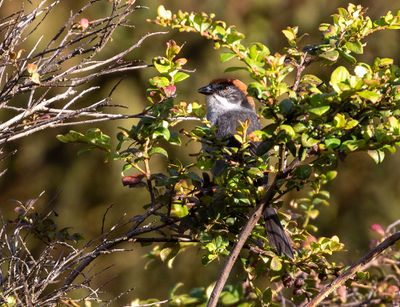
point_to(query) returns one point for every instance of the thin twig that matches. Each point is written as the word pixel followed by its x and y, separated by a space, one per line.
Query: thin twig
pixel 300 68
pixel 152 304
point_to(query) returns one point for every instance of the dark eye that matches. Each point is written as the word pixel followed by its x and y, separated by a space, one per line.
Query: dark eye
pixel 226 89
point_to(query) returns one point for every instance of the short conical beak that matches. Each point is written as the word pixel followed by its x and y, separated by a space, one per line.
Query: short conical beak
pixel 206 90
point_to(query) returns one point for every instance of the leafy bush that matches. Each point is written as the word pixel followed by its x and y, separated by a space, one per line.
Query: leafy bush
pixel 310 124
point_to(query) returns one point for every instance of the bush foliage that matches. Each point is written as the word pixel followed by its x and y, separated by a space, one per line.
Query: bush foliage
pixel 309 125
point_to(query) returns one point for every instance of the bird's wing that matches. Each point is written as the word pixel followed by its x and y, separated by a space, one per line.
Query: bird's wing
pixel 276 234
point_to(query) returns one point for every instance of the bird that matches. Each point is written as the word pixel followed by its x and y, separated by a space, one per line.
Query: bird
pixel 227 105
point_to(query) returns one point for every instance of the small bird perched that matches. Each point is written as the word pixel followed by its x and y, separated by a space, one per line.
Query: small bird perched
pixel 228 104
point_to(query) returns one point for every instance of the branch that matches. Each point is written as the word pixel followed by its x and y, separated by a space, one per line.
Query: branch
pixel 152 304
pixel 119 55
pixel 70 59
pixel 106 245
pixel 245 233
pixel 357 267
pixel 300 68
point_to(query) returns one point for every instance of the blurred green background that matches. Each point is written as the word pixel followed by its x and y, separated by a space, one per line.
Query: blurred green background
pixel 80 188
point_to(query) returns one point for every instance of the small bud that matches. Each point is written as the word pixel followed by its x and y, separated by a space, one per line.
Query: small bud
pixel 287 280
pixel 254 137
pixel 133 181
pixel 84 23
pixel 181 61
pixel 378 229
pixel 163 13
pixel 31 68
pixel 170 90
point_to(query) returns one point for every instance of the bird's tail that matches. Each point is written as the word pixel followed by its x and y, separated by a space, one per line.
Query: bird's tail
pixel 276 234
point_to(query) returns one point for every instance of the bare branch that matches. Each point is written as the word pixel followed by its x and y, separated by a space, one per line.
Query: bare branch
pixel 71 58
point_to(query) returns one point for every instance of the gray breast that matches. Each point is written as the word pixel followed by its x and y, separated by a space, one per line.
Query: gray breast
pixel 228 122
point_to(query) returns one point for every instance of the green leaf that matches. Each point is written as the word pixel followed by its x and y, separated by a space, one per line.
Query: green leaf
pixel 288 130
pixel 299 127
pixel 256 89
pixel 331 55
pixel 377 155
pixel 162 65
pixel 175 289
pixel 163 132
pixel 351 124
pixel 168 252
pixel 35 78
pixel 332 143
pixel 313 213
pixel 230 69
pixel 180 76
pixel 339 75
pixel 230 298
pixel 93 137
pixel 308 141
pixel 381 62
pixel 226 56
pixel 363 275
pixel 355 47
pixel 126 167
pixel 196 20
pixel 339 120
pixel 370 95
pixel 352 145
pixel 264 147
pixel 159 81
pixel 178 210
pixel 267 295
pixel 175 139
pixel 289 34
pixel 258 52
pixel 331 175
pixel 234 37
pixel 348 57
pixel 158 150
pixel 276 264
pixel 303 172
pixel 319 111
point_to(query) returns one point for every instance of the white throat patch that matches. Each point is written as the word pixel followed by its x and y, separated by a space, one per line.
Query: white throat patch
pixel 217 105
pixel 223 103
